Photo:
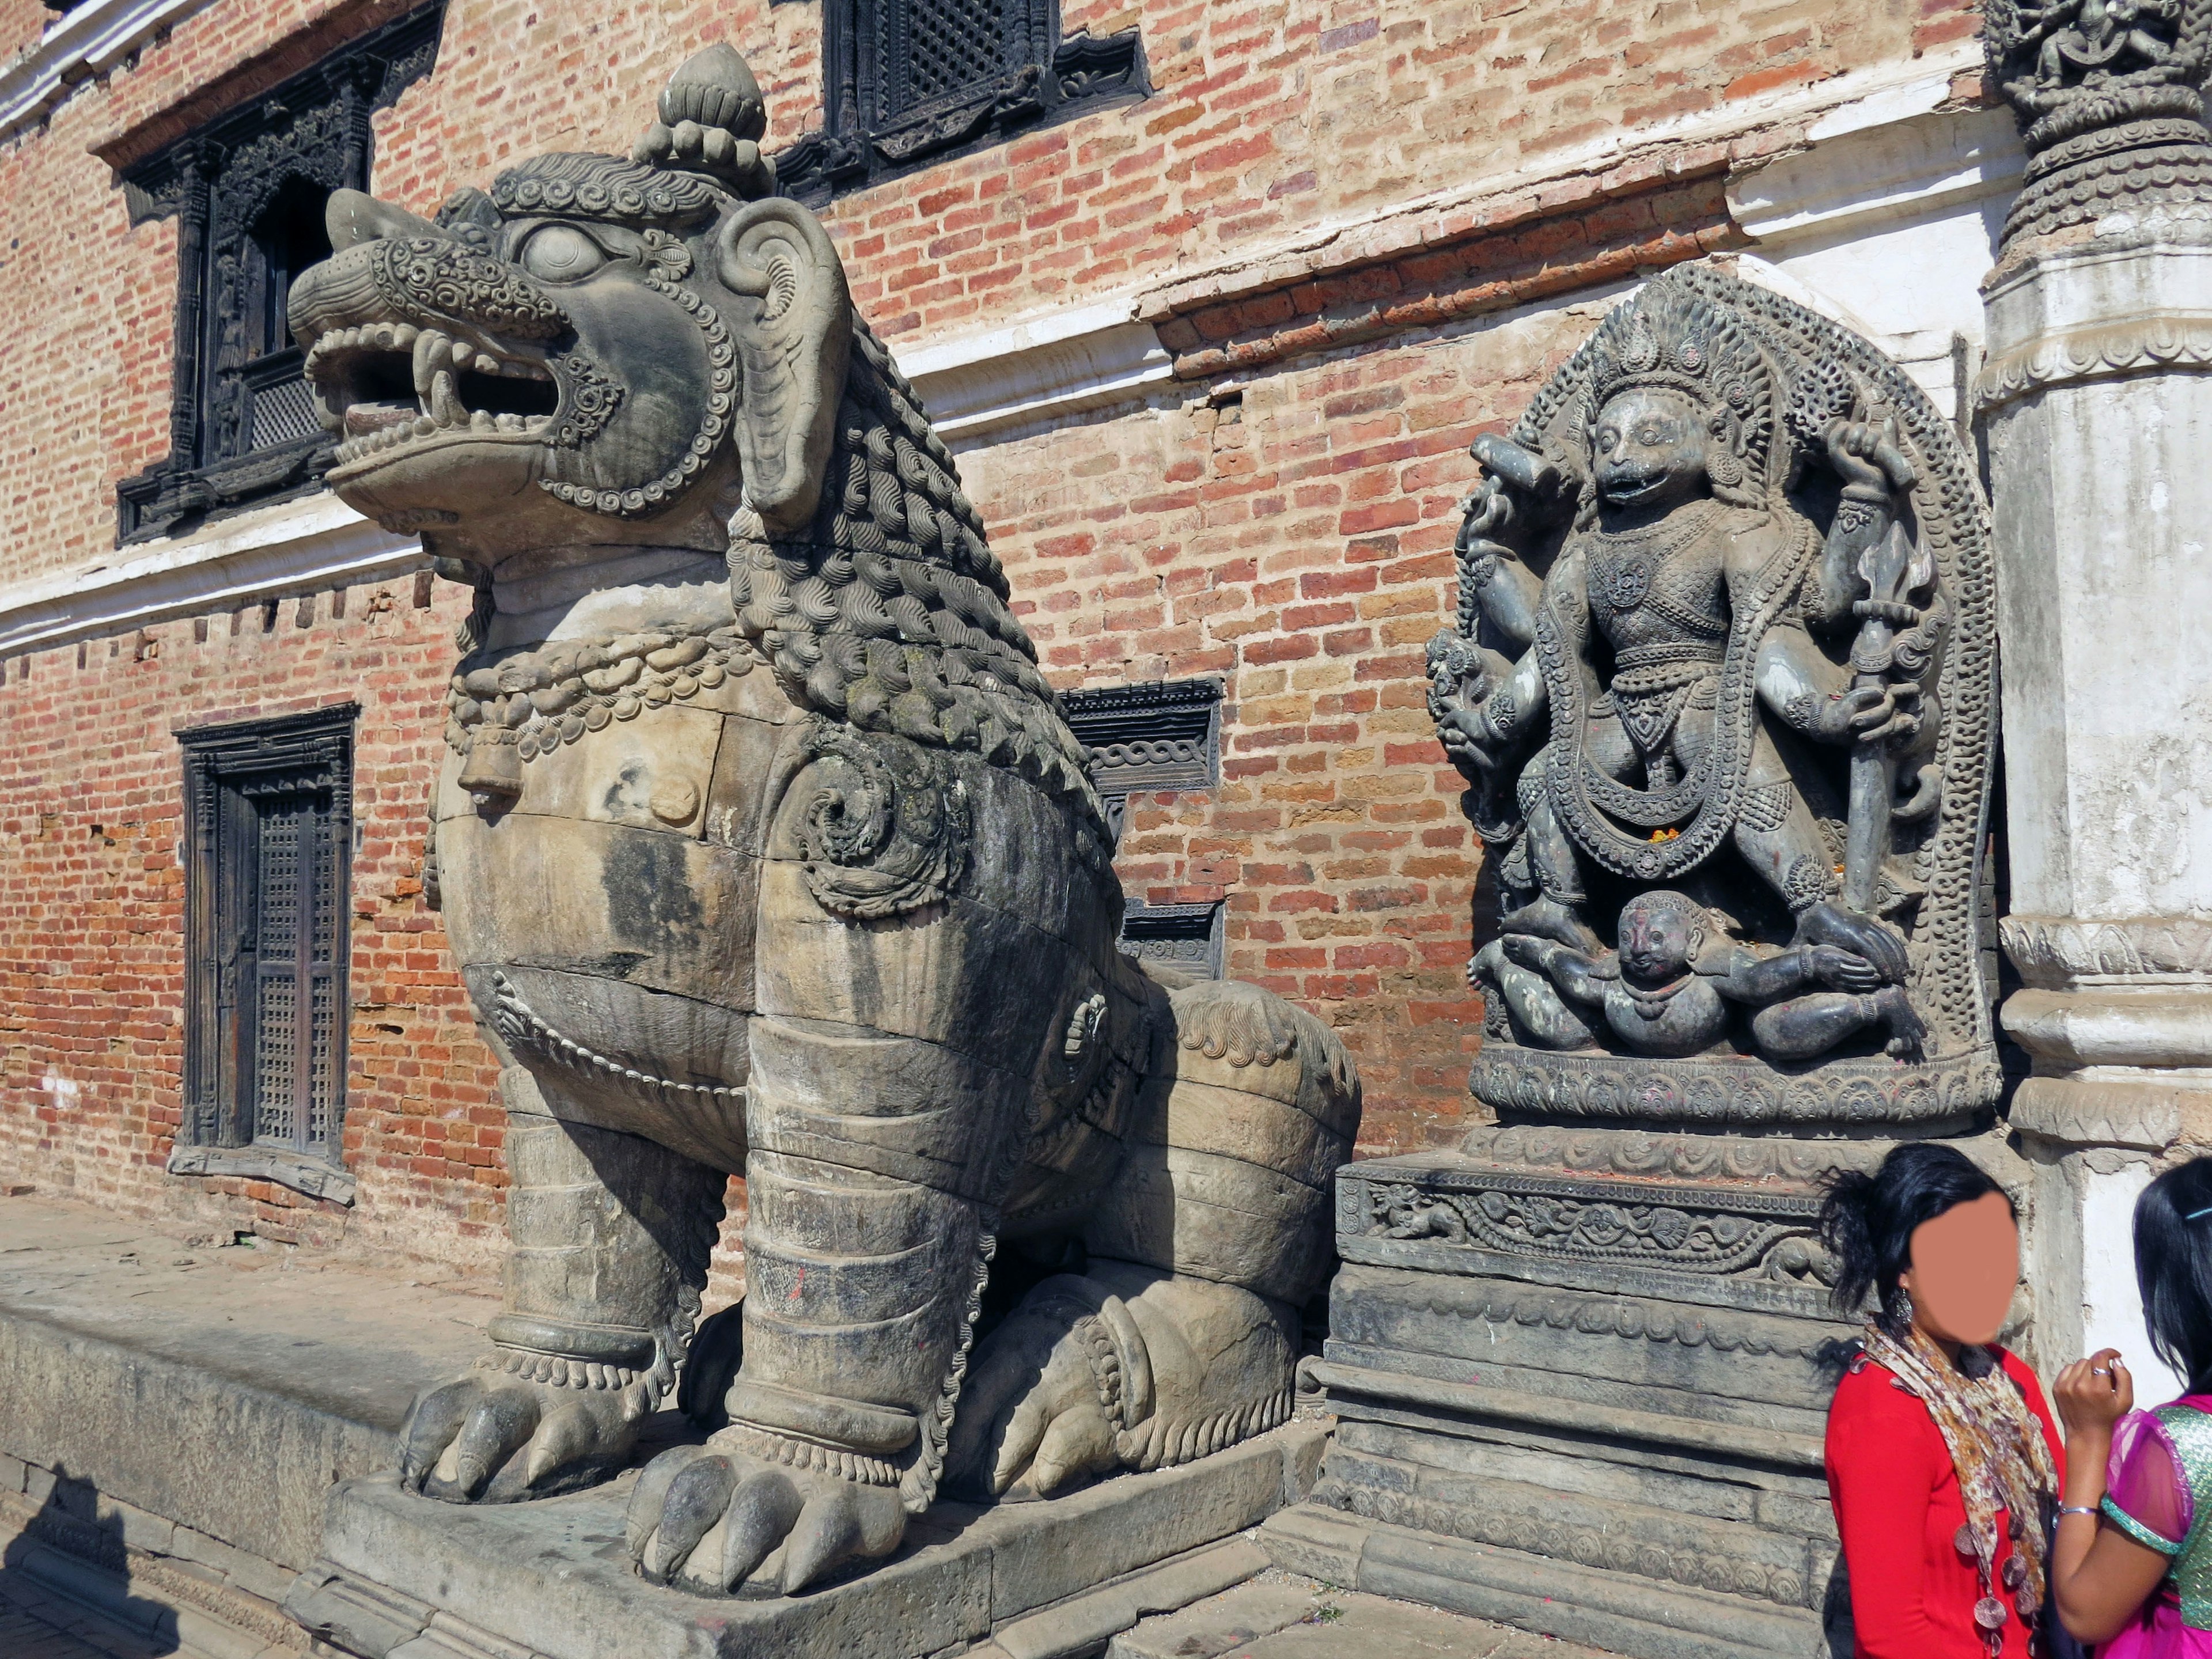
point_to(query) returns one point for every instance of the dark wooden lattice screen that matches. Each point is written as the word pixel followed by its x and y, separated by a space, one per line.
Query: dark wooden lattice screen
pixel 270 809
pixel 929 49
pixel 906 81
pixel 248 191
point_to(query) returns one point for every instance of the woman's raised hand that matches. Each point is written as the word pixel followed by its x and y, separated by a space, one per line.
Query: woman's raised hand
pixel 2095 1393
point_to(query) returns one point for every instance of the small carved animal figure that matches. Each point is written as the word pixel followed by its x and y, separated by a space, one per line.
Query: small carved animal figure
pixel 764 850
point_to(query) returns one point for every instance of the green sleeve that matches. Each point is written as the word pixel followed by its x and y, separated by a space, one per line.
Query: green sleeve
pixel 2136 1530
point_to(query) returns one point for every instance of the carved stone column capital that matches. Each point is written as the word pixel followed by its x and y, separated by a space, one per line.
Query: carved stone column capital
pixel 2109 107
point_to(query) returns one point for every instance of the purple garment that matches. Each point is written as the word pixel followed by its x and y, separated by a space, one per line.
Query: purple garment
pixel 2146 1480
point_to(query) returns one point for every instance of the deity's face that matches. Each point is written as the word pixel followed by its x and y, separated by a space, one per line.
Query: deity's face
pixel 1654 943
pixel 1651 449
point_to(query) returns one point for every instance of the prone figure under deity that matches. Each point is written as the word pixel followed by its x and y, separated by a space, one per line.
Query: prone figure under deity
pixel 1669 987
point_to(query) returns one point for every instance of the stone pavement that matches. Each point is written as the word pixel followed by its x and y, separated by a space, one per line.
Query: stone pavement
pixel 1280 1615
pixel 36 1624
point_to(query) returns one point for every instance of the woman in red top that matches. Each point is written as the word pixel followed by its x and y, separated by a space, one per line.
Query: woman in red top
pixel 1941 1454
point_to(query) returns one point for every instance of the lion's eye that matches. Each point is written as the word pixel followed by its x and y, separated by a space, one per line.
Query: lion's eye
pixel 557 253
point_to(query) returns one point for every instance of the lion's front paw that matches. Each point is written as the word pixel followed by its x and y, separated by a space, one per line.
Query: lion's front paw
pixel 715 1521
pixel 496 1435
pixel 1043 1404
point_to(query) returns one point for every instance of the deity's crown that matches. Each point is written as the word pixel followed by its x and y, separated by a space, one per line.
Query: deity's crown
pixel 1670 337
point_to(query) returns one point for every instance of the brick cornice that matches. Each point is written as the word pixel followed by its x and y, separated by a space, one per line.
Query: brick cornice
pixel 270 67
pixel 1513 259
pixel 1640 202
pixel 88 41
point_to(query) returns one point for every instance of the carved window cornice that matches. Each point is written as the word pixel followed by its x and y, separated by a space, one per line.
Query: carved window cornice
pixel 246 190
pixel 907 83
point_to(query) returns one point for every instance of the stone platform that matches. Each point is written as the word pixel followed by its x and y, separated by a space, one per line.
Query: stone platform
pixel 405 1578
pixel 1280 1615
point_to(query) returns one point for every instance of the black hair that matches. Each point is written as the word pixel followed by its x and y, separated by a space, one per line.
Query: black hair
pixel 1867 1221
pixel 2173 1269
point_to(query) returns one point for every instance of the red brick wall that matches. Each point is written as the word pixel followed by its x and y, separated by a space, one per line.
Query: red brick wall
pixel 92 958
pixel 1294 537
pixel 1269 120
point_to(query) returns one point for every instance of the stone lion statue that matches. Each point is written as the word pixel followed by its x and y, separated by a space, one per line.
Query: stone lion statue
pixel 764 850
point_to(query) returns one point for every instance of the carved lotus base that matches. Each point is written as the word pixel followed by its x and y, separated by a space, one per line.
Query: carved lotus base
pixel 1736 1091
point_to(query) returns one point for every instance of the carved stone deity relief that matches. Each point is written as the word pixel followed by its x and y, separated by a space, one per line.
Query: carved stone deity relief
pixel 764 849
pixel 1721 685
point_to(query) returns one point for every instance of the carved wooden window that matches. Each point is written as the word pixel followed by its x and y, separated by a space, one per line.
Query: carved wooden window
pixel 1161 737
pixel 270 804
pixel 909 82
pixel 248 192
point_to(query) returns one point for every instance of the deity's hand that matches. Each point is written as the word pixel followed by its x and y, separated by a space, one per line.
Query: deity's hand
pixel 1869 456
pixel 1467 742
pixel 1489 511
pixel 1868 713
pixel 1841 970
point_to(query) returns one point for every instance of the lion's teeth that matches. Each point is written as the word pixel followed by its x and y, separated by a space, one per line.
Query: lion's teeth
pixel 481 420
pixel 403 336
pixel 536 422
pixel 463 354
pixel 510 422
pixel 446 406
pixel 424 426
pixel 434 350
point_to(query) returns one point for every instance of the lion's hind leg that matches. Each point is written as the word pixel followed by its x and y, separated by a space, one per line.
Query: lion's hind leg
pixel 1180 1335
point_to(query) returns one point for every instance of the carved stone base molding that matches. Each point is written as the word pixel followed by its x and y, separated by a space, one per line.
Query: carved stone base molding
pixel 2102 1112
pixel 1581 1378
pixel 403 1579
pixel 1717 1090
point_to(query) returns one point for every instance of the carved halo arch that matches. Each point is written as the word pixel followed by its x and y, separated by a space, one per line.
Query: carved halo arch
pixel 1816 370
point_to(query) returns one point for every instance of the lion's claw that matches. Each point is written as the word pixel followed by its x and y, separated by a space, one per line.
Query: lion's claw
pixel 494 1438
pixel 720 1522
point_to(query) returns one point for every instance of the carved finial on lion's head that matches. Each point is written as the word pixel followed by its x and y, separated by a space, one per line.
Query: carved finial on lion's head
pixel 711 120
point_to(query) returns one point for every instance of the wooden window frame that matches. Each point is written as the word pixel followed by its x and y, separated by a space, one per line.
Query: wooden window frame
pixel 867 136
pixel 1158 737
pixel 226 767
pixel 241 426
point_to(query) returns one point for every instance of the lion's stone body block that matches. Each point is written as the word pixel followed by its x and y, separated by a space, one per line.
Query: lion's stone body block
pixel 765 851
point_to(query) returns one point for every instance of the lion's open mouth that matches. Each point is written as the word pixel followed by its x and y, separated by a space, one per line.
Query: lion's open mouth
pixel 385 384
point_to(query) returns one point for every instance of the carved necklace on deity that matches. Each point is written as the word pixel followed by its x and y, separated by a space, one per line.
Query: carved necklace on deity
pixel 1624 561
pixel 1653 1004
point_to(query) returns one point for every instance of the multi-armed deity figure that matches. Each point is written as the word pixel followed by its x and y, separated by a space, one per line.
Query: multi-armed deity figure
pixel 764 850
pixel 1707 686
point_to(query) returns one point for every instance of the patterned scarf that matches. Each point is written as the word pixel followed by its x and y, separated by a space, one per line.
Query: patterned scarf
pixel 2004 1463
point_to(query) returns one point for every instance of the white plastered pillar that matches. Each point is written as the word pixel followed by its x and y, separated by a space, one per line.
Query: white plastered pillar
pixel 2097 407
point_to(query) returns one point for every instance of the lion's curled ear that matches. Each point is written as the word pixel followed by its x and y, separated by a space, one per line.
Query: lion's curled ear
pixel 794 330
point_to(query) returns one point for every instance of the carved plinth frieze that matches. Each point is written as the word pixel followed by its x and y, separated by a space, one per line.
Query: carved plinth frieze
pixel 1711 1242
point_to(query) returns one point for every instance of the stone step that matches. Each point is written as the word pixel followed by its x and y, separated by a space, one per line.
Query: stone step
pixel 1280 1615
